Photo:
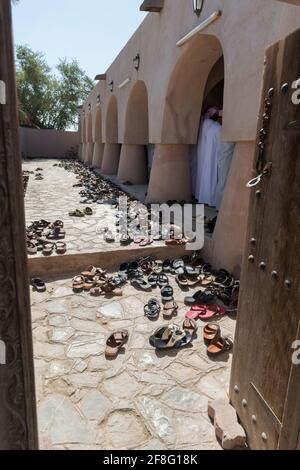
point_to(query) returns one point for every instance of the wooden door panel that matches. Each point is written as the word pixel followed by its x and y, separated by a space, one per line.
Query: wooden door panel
pixel 269 307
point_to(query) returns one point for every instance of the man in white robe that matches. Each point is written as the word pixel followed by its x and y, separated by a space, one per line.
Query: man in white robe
pixel 207 159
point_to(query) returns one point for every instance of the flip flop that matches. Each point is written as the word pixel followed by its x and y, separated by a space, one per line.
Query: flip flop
pixel 195 312
pixel 31 248
pixel 153 279
pixel 147 241
pixel 218 346
pixel 212 311
pixel 115 342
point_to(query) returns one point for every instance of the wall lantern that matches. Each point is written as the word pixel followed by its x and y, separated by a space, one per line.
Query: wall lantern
pixel 137 61
pixel 90 106
pixel 98 99
pixel 111 86
pixel 198 5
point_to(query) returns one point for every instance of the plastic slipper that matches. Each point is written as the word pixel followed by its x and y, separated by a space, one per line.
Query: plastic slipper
pixel 153 279
pixel 212 311
pixel 218 346
pixel 31 248
pixel 167 293
pixel 207 297
pixel 166 266
pixel 115 342
pixel 76 213
pixel 152 309
pixel 195 312
pixel 147 241
pixel 38 284
pixel 162 280
pixel 141 284
pixel 109 237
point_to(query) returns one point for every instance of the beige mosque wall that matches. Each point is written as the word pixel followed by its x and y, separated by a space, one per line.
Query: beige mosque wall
pixel 175 79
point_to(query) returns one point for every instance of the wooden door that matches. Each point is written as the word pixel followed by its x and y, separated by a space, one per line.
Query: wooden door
pixel 265 386
pixel 18 425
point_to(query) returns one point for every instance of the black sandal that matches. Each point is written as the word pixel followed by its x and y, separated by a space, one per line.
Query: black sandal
pixel 152 309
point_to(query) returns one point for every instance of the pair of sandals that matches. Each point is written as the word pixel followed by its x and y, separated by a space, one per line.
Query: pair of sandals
pixel 59 247
pixel 170 306
pixel 216 343
pixel 205 312
pixel 184 280
pixel 143 241
pixel 160 280
pixel 172 336
pixel 152 309
pixel 38 284
pixel 79 213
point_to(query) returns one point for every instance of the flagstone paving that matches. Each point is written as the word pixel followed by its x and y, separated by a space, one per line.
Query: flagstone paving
pixel 54 197
pixel 141 400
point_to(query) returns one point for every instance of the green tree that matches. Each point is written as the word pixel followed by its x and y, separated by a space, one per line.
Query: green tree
pixel 48 100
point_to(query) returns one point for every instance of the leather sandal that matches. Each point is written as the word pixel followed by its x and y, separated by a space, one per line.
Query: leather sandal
pixel 77 283
pixel 211 331
pixel 218 346
pixel 115 342
pixel 170 309
pixel 61 248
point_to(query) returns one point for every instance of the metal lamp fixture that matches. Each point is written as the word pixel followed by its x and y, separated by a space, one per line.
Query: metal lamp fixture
pixel 137 61
pixel 98 99
pixel 198 5
pixel 111 86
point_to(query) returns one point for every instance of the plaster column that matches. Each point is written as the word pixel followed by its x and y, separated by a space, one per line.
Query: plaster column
pixel 230 231
pixel 133 164
pixel 171 174
pixel 89 153
pixel 83 152
pixel 111 158
pixel 98 154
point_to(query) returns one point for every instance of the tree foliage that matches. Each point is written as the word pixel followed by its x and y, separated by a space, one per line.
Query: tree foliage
pixel 49 100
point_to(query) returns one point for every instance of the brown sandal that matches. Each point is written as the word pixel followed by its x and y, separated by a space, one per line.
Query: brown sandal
pixel 218 346
pixel 78 283
pixel 61 248
pixel 115 342
pixel 211 331
pixel 190 325
pixel 170 309
pixel 48 248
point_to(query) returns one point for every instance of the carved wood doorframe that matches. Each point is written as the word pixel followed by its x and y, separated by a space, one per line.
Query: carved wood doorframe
pixel 18 428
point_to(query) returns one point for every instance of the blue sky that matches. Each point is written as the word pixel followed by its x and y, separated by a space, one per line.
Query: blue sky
pixel 93 31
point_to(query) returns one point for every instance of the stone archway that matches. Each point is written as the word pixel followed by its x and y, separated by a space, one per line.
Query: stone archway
pixel 182 112
pixel 111 154
pixel 133 162
pixel 90 143
pixel 98 146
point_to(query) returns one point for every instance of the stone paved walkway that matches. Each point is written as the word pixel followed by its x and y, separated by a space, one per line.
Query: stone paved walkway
pixel 53 197
pixel 142 399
